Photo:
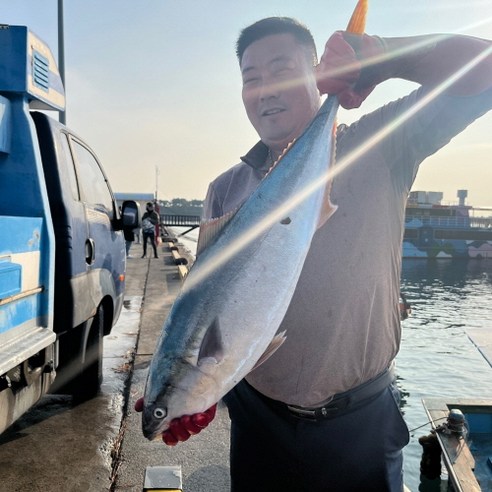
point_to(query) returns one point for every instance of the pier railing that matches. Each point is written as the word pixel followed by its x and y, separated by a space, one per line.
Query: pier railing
pixel 180 220
pixel 175 220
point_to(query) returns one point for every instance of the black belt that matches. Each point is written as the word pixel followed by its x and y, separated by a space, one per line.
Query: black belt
pixel 347 401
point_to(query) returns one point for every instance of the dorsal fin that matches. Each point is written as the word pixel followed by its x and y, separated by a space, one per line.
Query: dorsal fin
pixel 211 228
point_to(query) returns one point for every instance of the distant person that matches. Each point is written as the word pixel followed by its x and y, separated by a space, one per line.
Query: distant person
pixel 129 238
pixel 149 221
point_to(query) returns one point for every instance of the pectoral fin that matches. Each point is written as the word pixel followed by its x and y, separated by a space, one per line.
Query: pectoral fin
pixel 212 348
pixel 278 340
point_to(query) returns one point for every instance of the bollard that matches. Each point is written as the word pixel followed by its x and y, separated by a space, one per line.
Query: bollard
pixel 163 479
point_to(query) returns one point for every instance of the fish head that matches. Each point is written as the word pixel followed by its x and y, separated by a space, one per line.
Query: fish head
pixel 157 415
pixel 191 389
pixel 155 419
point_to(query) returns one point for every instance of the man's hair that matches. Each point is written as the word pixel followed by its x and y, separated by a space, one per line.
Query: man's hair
pixel 276 25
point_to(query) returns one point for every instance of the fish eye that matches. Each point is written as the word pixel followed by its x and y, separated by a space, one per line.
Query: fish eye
pixel 160 413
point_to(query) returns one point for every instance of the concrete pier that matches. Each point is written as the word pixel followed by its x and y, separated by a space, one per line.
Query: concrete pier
pixel 204 458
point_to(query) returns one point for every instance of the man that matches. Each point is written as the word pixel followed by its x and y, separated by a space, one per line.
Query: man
pixel 321 413
pixel 149 220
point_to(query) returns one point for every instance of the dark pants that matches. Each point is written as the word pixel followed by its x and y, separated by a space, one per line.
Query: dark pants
pixel 150 236
pixel 272 450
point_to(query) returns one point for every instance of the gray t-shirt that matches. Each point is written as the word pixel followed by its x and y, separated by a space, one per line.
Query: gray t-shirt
pixel 343 325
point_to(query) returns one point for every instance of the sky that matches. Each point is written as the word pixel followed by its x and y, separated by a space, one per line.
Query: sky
pixel 154 87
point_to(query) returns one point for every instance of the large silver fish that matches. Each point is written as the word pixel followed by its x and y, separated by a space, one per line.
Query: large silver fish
pixel 226 318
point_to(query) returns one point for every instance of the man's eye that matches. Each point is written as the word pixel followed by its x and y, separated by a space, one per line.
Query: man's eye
pixel 282 72
pixel 250 80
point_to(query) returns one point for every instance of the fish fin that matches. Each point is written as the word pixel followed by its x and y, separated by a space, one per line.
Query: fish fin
pixel 327 207
pixel 212 348
pixel 210 229
pixel 275 344
pixel 357 23
pixel 279 158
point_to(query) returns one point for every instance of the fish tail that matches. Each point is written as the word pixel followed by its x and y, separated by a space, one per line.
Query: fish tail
pixel 357 23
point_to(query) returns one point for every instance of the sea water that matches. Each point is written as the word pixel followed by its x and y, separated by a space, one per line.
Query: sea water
pixel 436 358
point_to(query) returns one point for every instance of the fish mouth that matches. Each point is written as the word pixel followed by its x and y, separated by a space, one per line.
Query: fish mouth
pixel 154 436
pixel 153 433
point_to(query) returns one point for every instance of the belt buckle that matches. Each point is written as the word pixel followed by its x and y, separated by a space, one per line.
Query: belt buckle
pixel 301 413
pixel 313 413
pixel 328 410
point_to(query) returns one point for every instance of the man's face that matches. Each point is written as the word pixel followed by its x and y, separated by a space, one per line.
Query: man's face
pixel 279 89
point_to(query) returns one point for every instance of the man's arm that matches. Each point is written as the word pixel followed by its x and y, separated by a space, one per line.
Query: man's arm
pixel 351 65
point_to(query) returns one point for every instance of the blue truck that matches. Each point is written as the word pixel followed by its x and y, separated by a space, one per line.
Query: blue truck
pixel 62 250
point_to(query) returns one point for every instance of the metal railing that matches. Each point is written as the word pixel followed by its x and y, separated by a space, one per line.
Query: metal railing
pixel 180 220
pixel 175 220
pixel 455 222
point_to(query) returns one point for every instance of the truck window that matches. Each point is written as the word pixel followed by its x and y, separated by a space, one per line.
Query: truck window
pixel 70 166
pixel 93 187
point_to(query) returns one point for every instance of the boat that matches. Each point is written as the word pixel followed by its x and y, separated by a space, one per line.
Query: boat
pixel 461 435
pixel 434 230
pixel 462 432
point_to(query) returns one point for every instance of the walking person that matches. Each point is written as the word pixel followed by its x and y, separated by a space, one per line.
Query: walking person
pixel 150 220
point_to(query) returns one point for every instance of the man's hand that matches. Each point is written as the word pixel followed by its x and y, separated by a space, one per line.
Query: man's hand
pixel 182 428
pixel 345 67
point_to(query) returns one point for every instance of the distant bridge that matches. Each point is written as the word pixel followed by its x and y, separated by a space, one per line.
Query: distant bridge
pixel 172 220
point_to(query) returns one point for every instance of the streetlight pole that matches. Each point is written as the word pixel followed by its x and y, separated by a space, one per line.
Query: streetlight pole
pixel 156 181
pixel 61 57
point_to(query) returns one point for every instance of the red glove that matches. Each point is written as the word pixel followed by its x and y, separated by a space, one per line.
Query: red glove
pixel 341 72
pixel 182 428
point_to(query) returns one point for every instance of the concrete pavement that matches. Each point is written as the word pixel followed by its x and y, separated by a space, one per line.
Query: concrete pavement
pixel 204 459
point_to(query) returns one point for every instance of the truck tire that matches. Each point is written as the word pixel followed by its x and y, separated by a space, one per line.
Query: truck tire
pixel 88 383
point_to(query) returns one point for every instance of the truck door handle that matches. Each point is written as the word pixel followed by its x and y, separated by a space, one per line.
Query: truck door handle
pixel 90 251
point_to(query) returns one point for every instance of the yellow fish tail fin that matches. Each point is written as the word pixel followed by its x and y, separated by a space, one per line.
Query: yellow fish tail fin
pixel 357 23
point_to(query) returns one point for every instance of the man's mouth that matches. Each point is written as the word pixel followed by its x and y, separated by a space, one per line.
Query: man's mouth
pixel 271 111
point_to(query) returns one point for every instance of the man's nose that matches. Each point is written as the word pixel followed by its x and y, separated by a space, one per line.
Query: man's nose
pixel 269 88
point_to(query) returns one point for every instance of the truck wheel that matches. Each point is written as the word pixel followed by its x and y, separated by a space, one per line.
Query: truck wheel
pixel 89 381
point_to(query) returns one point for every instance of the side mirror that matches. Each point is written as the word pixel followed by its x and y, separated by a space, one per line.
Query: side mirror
pixel 130 214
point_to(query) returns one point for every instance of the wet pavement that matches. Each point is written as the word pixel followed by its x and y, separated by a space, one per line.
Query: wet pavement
pixel 204 459
pixel 98 445
pixel 58 445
